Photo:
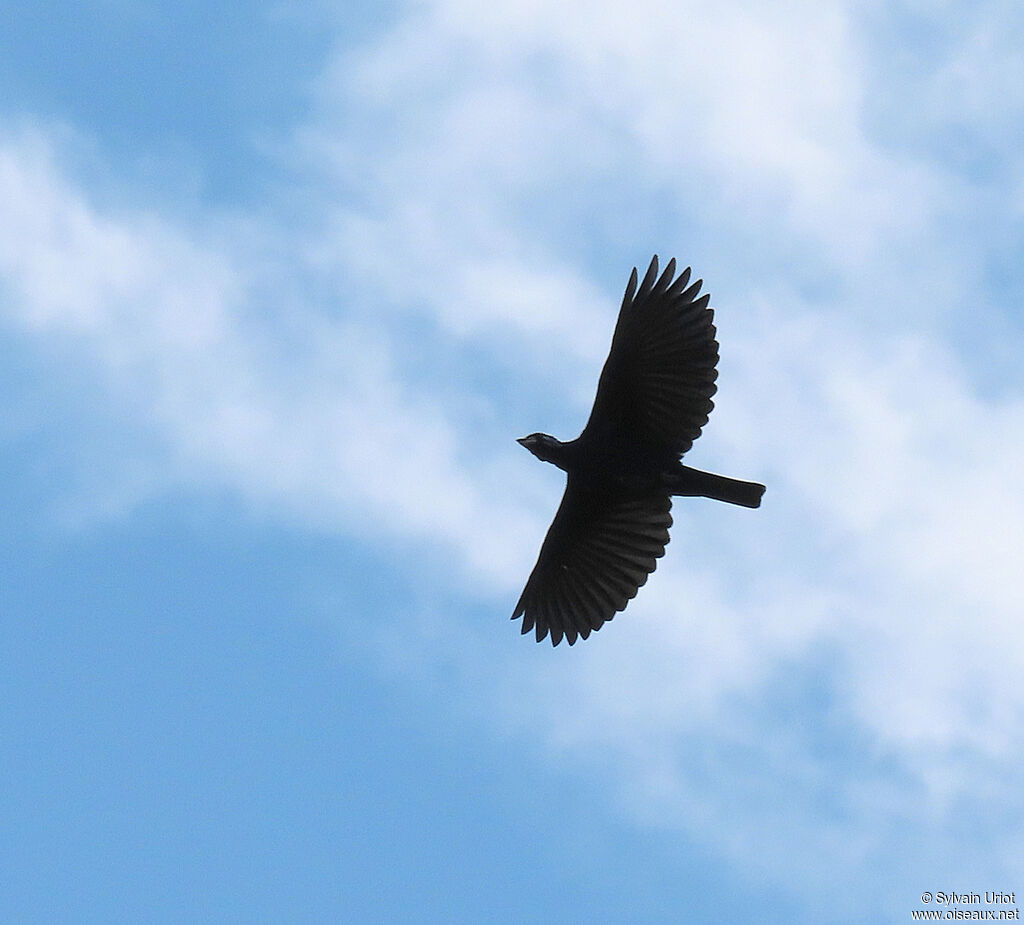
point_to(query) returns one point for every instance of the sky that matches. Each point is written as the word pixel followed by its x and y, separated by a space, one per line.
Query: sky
pixel 280 284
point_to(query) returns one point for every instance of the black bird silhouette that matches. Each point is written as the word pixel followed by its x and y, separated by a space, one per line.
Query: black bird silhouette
pixel 652 400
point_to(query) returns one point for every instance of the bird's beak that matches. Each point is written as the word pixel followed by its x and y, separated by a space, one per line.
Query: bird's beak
pixel 522 442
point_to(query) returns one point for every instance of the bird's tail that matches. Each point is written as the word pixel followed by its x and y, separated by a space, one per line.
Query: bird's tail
pixel 693 482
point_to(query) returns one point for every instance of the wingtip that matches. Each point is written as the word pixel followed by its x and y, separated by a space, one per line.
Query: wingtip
pixel 689 295
pixel 665 280
pixel 680 283
pixel 630 288
pixel 649 277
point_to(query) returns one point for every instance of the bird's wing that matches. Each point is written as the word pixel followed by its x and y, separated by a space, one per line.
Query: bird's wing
pixel 599 550
pixel 657 382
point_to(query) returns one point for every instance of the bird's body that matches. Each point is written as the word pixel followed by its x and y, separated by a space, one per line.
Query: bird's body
pixel 652 400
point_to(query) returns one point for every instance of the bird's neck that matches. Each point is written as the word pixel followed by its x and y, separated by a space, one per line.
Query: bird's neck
pixel 562 455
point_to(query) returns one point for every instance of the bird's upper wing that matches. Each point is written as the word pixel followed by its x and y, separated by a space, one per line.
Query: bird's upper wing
pixel 599 550
pixel 657 382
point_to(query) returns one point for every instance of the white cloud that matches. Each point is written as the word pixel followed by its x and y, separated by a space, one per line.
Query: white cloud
pixel 476 153
pixel 891 482
pixel 321 426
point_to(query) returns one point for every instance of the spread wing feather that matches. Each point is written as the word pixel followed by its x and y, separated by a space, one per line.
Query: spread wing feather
pixel 598 552
pixel 657 382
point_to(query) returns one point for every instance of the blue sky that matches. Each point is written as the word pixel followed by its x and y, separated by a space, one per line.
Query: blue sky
pixel 279 287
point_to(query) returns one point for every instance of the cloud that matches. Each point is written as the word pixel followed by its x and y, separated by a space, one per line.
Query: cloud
pixel 319 426
pixel 821 685
pixel 892 519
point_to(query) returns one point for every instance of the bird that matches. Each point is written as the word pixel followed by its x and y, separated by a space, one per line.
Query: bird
pixel 623 470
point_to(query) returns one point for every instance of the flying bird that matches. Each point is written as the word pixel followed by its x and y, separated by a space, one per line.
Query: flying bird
pixel 653 398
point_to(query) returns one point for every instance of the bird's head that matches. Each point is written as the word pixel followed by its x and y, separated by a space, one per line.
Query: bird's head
pixel 543 446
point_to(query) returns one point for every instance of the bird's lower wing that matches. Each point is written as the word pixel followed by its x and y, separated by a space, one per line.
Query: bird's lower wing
pixel 598 552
